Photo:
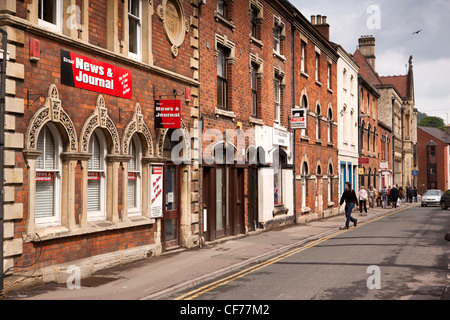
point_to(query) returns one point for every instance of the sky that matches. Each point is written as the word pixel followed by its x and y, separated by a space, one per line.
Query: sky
pixel 393 24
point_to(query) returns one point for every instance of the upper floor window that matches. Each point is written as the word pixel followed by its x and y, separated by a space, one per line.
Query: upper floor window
pixel 254 89
pixel 329 125
pixel 318 136
pixel 50 14
pixel 317 66
pixel 253 22
pixel 303 57
pixel 222 79
pixel 277 87
pixel 135 28
pixel 329 75
pixel 222 8
pixel 277 39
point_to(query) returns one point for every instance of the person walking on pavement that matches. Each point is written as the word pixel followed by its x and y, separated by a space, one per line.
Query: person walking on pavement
pixel 394 195
pixel 372 196
pixel 363 197
pixel 349 196
pixel 384 195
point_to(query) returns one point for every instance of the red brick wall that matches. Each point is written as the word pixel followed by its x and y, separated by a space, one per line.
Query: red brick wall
pixel 79 105
pixel 316 153
pixel 422 139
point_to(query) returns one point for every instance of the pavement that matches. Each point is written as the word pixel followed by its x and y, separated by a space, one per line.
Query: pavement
pixel 156 278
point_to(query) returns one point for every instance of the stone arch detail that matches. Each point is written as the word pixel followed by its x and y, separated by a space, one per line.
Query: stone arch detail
pixel 52 111
pixel 186 139
pixel 100 119
pixel 137 125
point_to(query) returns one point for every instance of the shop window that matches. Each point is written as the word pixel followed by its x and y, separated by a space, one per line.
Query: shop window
pixel 96 199
pixel 135 28
pixel 50 14
pixel 48 178
pixel 134 177
pixel 330 182
pixel 280 162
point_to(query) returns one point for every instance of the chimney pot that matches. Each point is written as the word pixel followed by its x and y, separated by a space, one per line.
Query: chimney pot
pixel 324 20
pixel 319 19
pixel 313 20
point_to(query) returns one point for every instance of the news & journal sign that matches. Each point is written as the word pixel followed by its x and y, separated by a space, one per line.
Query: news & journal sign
pixel 82 72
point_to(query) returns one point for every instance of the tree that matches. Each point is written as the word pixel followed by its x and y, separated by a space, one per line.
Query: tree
pixel 434 122
pixel 420 116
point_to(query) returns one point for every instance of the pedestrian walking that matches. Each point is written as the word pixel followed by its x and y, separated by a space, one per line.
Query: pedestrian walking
pixel 415 194
pixel 410 194
pixel 384 195
pixel 372 196
pixel 349 196
pixel 394 196
pixel 363 197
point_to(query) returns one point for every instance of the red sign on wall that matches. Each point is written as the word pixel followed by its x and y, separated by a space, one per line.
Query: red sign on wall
pixel 44 176
pixel 93 175
pixel 86 73
pixel 168 114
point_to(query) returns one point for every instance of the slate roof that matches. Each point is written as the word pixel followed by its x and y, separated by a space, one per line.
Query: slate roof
pixel 438 134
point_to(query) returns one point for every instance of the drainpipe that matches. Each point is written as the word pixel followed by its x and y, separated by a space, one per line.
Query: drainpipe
pixel 293 106
pixel 2 147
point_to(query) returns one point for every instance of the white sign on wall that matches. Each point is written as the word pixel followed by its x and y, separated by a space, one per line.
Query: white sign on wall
pixel 156 192
pixel 298 118
pixel 281 137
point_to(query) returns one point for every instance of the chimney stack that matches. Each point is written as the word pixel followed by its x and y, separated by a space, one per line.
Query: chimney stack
pixel 367 48
pixel 447 129
pixel 321 25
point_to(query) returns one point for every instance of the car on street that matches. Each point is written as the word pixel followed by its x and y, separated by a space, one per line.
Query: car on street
pixel 445 200
pixel 432 197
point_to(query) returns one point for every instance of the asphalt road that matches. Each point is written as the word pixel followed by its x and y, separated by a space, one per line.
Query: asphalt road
pixel 398 257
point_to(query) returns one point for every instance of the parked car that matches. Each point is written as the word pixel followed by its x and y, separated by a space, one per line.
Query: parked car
pixel 431 197
pixel 445 200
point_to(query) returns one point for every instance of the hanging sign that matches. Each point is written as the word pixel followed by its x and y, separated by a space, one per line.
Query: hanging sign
pixel 156 189
pixel 86 73
pixel 168 114
pixel 298 118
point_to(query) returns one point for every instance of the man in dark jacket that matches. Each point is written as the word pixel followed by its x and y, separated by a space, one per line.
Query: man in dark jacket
pixel 394 195
pixel 350 198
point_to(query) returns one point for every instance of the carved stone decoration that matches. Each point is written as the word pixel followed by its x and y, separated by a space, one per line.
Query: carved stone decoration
pixel 137 125
pixel 100 119
pixel 171 13
pixel 186 140
pixel 51 111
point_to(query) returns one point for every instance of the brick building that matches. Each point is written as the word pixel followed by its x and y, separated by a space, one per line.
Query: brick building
pixel 317 178
pixel 246 97
pixel 433 147
pixel 89 175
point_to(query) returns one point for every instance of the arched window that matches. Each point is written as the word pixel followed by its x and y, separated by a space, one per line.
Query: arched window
pixel 374 140
pixel 96 195
pixel 329 125
pixel 304 185
pixel 368 138
pixel 48 178
pixel 318 122
pixel 134 177
pixel 361 135
pixel 304 104
pixel 330 183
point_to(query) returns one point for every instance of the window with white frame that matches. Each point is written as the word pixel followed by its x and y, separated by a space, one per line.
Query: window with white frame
pixel 50 14
pixel 277 38
pixel 135 28
pixel 96 195
pixel 277 87
pixel 222 78
pixel 304 105
pixel 303 57
pixel 329 76
pixel 134 177
pixel 48 178
pixel 317 66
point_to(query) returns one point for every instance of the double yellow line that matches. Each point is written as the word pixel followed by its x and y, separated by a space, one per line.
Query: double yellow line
pixel 211 286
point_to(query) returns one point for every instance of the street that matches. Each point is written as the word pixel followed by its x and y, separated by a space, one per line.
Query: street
pixel 400 256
